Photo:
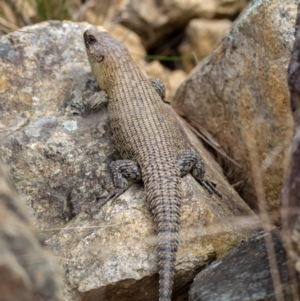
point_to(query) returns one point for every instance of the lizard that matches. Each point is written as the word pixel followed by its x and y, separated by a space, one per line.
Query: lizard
pixel 149 142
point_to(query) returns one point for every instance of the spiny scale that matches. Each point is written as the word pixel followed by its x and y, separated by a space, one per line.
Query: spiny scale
pixel 146 136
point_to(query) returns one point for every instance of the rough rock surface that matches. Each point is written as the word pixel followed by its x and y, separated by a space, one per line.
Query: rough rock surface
pixel 291 188
pixel 43 146
pixel 27 272
pixel 59 161
pixel 239 95
pixel 155 20
pixel 247 273
pixel 113 251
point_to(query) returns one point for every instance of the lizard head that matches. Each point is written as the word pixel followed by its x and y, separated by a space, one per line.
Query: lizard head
pixel 105 54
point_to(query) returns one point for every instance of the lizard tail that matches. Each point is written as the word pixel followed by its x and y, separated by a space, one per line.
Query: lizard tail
pixel 167 249
pixel 165 197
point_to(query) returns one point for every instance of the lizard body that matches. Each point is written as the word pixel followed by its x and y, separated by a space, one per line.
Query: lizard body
pixel 148 140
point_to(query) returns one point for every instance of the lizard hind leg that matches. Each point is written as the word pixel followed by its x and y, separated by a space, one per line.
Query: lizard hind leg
pixel 190 161
pixel 122 171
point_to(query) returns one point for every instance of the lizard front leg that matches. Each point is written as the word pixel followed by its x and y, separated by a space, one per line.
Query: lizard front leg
pixel 100 99
pixel 159 87
pixel 190 161
pixel 96 101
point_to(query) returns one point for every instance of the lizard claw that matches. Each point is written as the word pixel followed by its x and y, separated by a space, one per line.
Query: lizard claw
pixel 211 188
pixel 112 196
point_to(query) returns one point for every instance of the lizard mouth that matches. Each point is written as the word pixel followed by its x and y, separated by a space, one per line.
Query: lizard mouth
pixel 91 43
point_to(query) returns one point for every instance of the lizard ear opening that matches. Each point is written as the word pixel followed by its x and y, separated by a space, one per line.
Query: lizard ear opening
pixel 100 58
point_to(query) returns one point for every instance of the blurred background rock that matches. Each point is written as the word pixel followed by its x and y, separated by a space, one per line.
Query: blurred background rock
pixel 176 33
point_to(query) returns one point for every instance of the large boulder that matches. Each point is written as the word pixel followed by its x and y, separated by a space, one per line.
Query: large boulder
pixel 59 159
pixel 239 98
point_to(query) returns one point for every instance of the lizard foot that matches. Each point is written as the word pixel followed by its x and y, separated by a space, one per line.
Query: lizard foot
pixel 190 161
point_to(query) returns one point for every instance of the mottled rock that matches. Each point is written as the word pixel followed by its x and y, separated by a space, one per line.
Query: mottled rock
pixel 239 95
pixel 42 143
pixel 291 189
pixel 153 21
pixel 27 272
pixel 59 160
pixel 250 272
pixel 202 37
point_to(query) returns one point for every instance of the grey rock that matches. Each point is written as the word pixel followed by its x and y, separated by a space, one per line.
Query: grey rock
pixel 246 273
pixel 53 154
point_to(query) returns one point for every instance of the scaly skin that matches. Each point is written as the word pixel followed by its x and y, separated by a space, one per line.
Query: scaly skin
pixel 147 138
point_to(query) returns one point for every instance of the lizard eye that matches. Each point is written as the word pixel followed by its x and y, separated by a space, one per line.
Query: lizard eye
pixel 91 39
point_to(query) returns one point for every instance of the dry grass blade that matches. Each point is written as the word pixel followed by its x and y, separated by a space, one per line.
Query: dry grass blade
pixel 209 140
pixel 7 26
pixel 290 196
pixel 264 215
pixel 78 16
pixel 21 16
